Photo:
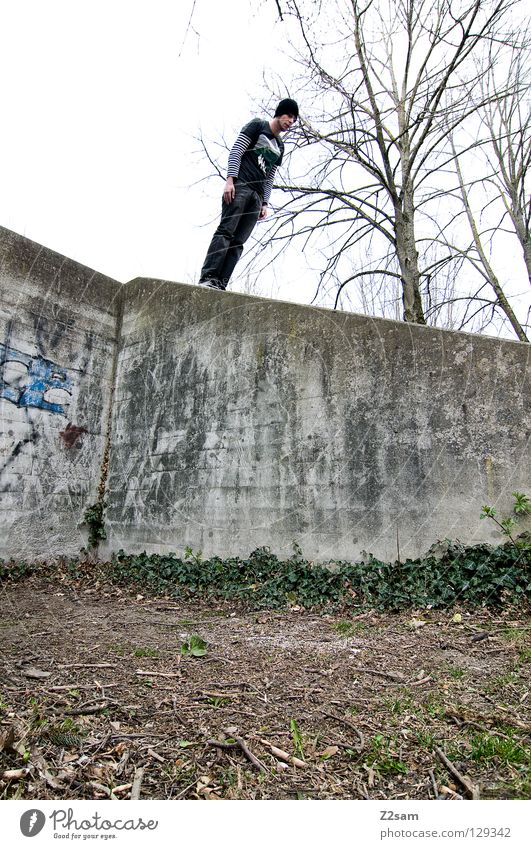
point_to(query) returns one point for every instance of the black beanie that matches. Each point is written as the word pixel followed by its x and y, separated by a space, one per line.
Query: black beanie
pixel 287 107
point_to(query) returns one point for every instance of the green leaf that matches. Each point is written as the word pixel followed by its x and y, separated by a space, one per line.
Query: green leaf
pixel 195 646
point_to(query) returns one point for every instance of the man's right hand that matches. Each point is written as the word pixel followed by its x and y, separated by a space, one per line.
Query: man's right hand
pixel 229 191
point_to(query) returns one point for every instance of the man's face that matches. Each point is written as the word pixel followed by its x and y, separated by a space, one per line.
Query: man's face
pixel 286 121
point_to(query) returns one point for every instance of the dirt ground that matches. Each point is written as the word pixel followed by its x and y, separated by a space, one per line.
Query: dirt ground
pixel 99 701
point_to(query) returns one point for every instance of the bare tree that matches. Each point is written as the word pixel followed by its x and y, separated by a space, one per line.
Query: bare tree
pixel 508 122
pixel 493 181
pixel 480 259
pixel 383 84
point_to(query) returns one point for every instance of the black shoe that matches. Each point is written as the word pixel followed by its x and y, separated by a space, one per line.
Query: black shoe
pixel 212 283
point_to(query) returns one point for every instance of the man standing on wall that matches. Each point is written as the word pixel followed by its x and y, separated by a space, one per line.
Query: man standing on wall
pixel 253 161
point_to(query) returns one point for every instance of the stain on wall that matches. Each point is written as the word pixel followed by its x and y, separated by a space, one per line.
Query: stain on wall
pixel 72 435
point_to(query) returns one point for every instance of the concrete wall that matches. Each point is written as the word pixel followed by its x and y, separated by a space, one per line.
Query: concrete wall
pixel 241 422
pixel 57 339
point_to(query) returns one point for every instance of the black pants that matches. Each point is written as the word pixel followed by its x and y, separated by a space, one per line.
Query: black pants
pixel 238 219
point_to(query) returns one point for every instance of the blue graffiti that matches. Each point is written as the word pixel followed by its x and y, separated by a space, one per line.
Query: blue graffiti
pixel 42 376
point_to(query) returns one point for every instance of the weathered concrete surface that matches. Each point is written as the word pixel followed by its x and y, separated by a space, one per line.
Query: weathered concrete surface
pixel 239 422
pixel 57 339
pixel 242 422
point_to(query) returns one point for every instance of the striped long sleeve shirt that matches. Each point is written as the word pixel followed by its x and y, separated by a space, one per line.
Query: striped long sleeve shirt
pixel 255 157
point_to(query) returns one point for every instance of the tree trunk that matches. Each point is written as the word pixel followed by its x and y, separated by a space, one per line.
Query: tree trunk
pixel 523 236
pixel 408 258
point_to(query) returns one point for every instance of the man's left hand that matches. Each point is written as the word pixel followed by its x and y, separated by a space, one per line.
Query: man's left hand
pixel 263 212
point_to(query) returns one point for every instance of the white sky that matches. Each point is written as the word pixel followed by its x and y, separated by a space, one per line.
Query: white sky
pixel 102 105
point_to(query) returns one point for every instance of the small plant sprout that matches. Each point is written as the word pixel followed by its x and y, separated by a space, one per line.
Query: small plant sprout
pixel 218 701
pixel 195 557
pixel 296 737
pixel 383 756
pixel 456 672
pixel 194 646
pixel 145 652
pixel 507 524
pixel 522 504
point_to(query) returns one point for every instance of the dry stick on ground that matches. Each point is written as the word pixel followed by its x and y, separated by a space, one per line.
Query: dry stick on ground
pixel 471 789
pixel 159 674
pixel 390 675
pixel 349 725
pixel 239 744
pixel 281 755
pixel 14 774
pixel 434 783
pixel 121 788
pixel 59 687
pixel 137 783
pixel 418 683
pixel 185 791
pixel 451 794
pixel 87 711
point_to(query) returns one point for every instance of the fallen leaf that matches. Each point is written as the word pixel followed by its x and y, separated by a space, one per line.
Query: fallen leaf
pixel 66 774
pixel 329 752
pixel 32 672
pixel 7 738
pixel 204 785
pixel 371 775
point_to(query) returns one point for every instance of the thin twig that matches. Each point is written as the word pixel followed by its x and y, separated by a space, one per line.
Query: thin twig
pixel 177 674
pixel 390 675
pixel 434 784
pixel 471 789
pixel 87 711
pixel 349 725
pixel 185 791
pixel 239 744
